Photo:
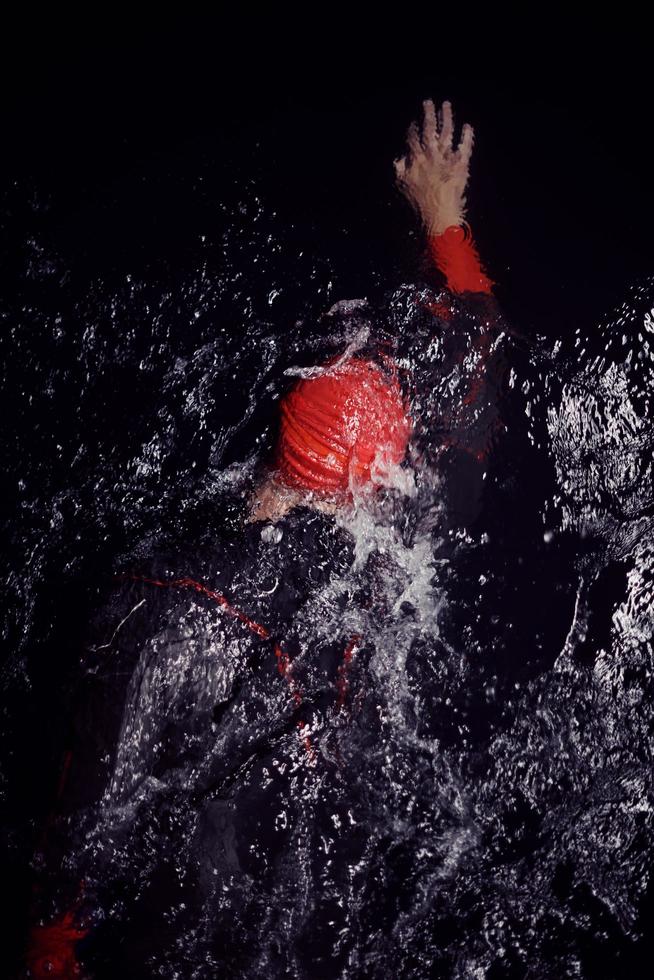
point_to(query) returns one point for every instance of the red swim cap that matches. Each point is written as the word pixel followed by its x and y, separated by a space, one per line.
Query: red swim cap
pixel 335 424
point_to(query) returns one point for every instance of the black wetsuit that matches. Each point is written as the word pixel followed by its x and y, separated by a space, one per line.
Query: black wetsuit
pixel 257 715
pixel 223 737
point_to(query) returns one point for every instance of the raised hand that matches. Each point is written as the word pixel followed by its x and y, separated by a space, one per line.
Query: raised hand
pixel 432 174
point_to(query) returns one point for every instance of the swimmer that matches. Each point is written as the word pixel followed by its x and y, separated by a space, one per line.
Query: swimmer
pixel 351 424
pixel 343 431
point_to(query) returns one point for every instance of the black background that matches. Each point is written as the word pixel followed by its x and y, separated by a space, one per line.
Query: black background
pixel 102 115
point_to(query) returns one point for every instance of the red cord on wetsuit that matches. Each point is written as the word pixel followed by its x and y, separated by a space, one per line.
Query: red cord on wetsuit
pixel 455 255
pixel 52 948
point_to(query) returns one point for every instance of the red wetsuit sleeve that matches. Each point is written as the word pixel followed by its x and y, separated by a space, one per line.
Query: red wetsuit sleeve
pixel 455 255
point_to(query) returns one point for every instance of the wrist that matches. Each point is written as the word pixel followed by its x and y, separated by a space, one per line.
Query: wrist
pixel 436 222
pixel 437 208
pixel 454 254
pixel 448 229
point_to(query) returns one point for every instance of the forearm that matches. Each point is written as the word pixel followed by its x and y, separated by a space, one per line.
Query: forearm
pixel 433 177
pixel 454 254
pixel 441 209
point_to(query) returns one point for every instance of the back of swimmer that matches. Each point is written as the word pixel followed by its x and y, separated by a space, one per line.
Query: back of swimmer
pixel 350 424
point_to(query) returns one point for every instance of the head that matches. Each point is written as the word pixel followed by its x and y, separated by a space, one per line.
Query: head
pixel 344 432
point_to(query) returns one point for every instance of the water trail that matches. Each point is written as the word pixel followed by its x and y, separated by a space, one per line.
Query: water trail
pixel 437 757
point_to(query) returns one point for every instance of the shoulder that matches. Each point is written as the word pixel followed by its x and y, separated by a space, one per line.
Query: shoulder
pixel 173 592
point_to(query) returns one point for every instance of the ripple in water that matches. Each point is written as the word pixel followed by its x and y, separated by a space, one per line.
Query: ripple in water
pixel 411 738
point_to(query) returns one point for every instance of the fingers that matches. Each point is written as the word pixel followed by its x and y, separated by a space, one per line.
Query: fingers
pixel 413 140
pixel 429 126
pixel 467 139
pixel 437 134
pixel 400 167
pixel 447 127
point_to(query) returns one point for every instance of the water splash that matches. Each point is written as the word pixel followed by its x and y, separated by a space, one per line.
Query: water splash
pixel 477 799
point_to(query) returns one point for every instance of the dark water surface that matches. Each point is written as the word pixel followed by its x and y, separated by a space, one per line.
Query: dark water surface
pixel 439 762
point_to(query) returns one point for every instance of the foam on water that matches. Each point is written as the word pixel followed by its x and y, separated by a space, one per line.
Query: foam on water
pixel 477 810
